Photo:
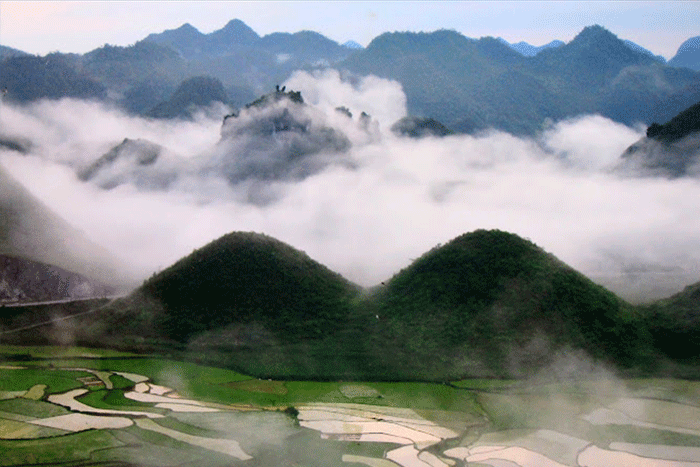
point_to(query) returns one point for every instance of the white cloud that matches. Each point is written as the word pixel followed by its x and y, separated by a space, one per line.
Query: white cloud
pixel 402 197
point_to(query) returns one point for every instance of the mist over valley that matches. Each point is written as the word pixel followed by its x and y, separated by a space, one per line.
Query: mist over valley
pixel 234 249
pixel 353 194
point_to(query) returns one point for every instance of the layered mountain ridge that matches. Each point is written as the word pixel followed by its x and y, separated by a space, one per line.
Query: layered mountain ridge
pixel 469 85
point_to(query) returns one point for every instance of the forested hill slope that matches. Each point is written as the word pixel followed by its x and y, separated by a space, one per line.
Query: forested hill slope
pixel 492 302
pixel 246 301
pixel 488 303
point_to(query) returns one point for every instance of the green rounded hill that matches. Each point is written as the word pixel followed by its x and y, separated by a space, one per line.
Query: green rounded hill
pixel 491 303
pixel 246 278
pixel 249 302
pixel 488 303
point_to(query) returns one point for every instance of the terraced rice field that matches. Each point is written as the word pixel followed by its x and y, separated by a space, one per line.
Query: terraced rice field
pixel 141 411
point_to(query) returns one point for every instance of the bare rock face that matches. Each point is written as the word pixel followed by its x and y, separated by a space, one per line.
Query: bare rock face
pixel 652 157
pixel 276 137
pixel 132 161
pixel 30 230
pixel 416 127
pixel 23 280
pixel 669 150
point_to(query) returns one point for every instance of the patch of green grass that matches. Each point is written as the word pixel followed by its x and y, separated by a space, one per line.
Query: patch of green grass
pixel 113 399
pixel 259 385
pixel 602 436
pixel 425 396
pixel 485 384
pixel 36 392
pixel 177 375
pixel 177 425
pixel 14 429
pixel 418 396
pixel 38 409
pixel 119 382
pixel 70 449
pixel 55 380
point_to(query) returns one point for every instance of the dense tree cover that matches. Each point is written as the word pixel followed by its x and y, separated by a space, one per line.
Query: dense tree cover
pixel 54 76
pixel 683 124
pixel 199 91
pixel 246 277
pixel 493 303
pixel 674 325
pixel 245 301
pixel 488 303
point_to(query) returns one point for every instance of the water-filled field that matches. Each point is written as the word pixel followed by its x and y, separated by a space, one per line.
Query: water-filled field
pixel 84 406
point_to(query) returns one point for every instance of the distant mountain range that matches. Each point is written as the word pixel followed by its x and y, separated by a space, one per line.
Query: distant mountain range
pixel 468 85
pixel 528 50
pixel 471 85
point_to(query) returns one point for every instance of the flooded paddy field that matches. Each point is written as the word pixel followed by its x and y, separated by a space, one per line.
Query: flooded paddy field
pixel 89 407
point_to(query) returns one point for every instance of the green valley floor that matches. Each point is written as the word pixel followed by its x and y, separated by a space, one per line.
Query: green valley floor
pixel 74 406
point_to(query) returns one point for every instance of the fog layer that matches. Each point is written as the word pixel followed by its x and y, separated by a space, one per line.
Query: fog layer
pixel 379 205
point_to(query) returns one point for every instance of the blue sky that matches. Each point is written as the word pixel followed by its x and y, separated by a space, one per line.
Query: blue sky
pixel 42 27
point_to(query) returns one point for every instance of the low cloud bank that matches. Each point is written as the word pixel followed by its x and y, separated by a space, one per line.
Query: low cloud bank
pixel 390 200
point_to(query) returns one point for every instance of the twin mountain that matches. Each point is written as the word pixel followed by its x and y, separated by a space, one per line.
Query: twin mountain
pixel 486 304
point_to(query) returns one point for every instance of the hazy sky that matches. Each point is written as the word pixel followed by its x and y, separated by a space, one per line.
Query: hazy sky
pixel 42 27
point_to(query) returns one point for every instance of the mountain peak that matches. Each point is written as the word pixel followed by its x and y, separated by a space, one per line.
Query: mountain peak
pixel 187 28
pixel 692 44
pixel 235 32
pixel 235 24
pixel 352 45
pixel 597 50
pixel 688 54
pixel 528 50
pixel 595 33
pixel 402 42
